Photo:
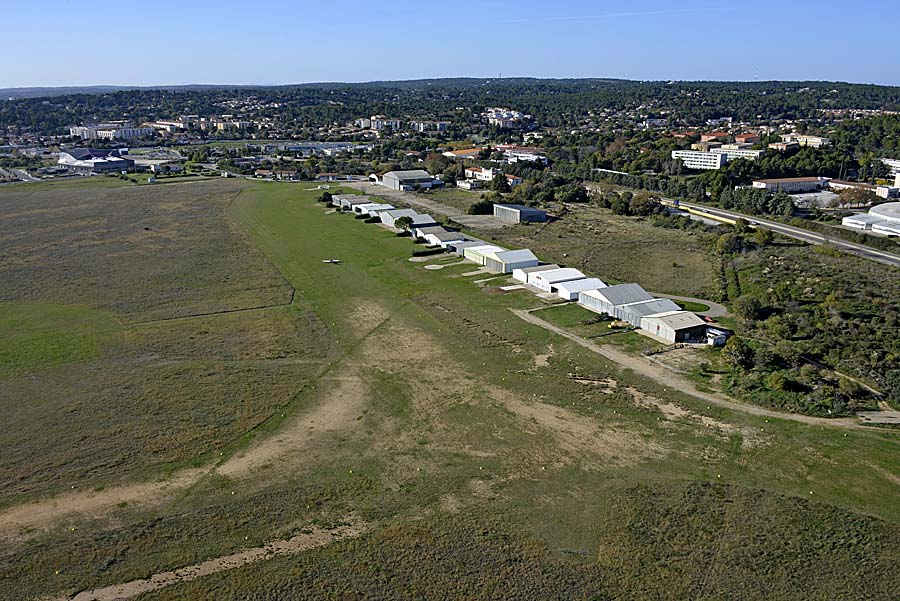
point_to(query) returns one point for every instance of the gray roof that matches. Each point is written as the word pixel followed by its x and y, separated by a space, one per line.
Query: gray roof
pixel 520 208
pixel 563 274
pixel 414 174
pixel 422 219
pixel 468 244
pixel 528 270
pixel 447 236
pixel 512 256
pixel 581 285
pixel 397 213
pixel 431 229
pixel 678 320
pixel 651 307
pixel 623 294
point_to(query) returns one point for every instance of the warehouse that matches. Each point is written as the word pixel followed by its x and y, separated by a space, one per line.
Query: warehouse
pixel 347 204
pixel 548 280
pixel 521 275
pixel 389 218
pixel 93 160
pixel 338 199
pixel 371 208
pixel 676 326
pixel 861 221
pixel 408 181
pixel 420 231
pixel 444 240
pixel 606 300
pixel 519 213
pixel 460 247
pixel 510 260
pixel 569 290
pixel 634 312
pixel 478 253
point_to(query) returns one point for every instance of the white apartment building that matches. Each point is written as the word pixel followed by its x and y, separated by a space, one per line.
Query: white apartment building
pixel 893 165
pixel 732 153
pixel 806 140
pixel 694 159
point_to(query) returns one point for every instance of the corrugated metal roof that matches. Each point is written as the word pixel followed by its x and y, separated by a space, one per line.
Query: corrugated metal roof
pixel 560 275
pixel 621 294
pixel 582 285
pixel 651 307
pixel 677 320
pixel 515 256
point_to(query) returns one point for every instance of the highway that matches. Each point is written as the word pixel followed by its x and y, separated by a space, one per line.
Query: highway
pixel 794 232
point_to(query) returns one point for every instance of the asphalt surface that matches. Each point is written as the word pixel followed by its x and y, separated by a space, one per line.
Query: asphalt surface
pixel 801 234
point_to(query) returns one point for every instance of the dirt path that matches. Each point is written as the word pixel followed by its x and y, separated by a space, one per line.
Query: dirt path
pixel 42 513
pixel 418 202
pixel 715 309
pixel 316 537
pixel 668 378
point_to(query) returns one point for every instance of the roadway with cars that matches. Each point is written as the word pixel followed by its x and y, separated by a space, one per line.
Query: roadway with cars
pixel 796 233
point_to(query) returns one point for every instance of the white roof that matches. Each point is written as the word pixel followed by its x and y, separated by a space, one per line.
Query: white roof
pixel 581 285
pixel 677 320
pixel 487 249
pixel 886 227
pixel 515 256
pixel 538 268
pixel 397 213
pixel 889 211
pixel 654 306
pixel 862 218
pixel 375 207
pixel 559 275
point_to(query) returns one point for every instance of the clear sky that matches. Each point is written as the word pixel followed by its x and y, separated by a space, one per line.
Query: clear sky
pixel 67 42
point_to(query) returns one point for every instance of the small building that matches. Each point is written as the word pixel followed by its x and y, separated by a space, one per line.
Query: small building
pixel 791 184
pixel 477 254
pixel 549 281
pixel 348 202
pixel 445 239
pixel 676 326
pixel 605 300
pixel 747 138
pixel 512 213
pixel 408 181
pixel 861 221
pixel 569 290
pixel 420 231
pixel 389 218
pixel 371 208
pixel 521 274
pixel 460 247
pixel 634 312
pixel 510 260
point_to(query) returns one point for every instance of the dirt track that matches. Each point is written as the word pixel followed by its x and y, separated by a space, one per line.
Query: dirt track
pixel 316 537
pixel 668 378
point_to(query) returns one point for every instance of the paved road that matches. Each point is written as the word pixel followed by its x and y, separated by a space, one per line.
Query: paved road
pixel 801 234
pixel 668 378
pixel 715 309
pixel 415 201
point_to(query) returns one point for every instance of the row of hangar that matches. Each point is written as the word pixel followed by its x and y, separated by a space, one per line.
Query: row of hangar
pixel 630 303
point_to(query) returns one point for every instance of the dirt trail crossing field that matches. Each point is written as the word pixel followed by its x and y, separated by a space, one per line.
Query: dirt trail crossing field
pixel 315 537
pixel 668 378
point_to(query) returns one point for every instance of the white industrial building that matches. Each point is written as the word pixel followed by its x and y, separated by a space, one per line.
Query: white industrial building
pixel 460 247
pixel 548 281
pixel 521 275
pixel 389 218
pixel 371 208
pixel 512 213
pixel 510 260
pixel 444 239
pixel 605 300
pixel 93 160
pixel 408 181
pixel 675 326
pixel 634 312
pixel 791 185
pixel 477 254
pixel 694 159
pixel 881 219
pixel 569 290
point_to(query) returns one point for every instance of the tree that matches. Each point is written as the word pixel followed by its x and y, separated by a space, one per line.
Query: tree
pixel 748 307
pixel 729 244
pixel 325 197
pixel 500 183
pixel 403 223
pixel 482 207
pixel 762 236
pixel 737 353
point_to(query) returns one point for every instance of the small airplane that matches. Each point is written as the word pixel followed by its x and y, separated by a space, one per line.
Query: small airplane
pixel 332 261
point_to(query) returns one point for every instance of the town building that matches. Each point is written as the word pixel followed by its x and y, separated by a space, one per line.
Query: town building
pixel 423 126
pixel 716 136
pixel 783 146
pixel 693 159
pixel 747 138
pixel 806 140
pixel 467 153
pixel 894 166
pixel 733 152
pixel 416 179
pixel 110 131
pixel 792 185
pixel 513 213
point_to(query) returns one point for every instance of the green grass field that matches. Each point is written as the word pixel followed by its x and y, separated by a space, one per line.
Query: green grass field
pixel 457 432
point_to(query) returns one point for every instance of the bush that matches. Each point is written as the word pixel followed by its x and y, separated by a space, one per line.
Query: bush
pixel 482 207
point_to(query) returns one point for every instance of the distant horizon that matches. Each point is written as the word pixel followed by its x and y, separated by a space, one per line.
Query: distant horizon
pixel 127 86
pixel 354 41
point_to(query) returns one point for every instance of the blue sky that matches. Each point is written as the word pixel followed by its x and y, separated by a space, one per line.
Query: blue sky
pixel 52 43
